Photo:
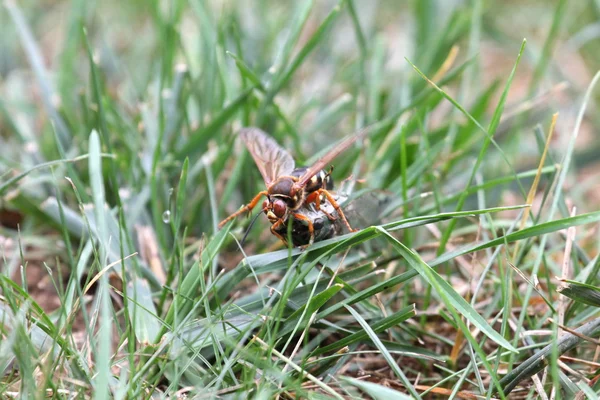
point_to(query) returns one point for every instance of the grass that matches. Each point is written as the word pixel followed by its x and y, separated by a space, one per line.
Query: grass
pixel 118 124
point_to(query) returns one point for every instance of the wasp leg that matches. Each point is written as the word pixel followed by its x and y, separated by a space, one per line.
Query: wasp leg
pixel 246 208
pixel 311 229
pixel 328 174
pixel 315 197
pixel 337 208
pixel 274 231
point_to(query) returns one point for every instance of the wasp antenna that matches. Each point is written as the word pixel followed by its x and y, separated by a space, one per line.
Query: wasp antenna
pixel 250 227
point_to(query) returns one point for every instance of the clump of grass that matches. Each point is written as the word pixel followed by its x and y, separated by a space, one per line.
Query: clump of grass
pixel 121 158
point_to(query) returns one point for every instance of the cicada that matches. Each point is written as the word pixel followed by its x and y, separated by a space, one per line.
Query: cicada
pixel 364 209
pixel 288 188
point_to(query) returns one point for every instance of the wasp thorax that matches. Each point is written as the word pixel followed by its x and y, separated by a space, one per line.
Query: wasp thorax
pixel 282 186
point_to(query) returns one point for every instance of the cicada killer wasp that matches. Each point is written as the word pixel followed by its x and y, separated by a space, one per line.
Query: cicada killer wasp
pixel 290 188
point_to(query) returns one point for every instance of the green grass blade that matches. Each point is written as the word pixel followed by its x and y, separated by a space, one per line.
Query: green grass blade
pixel 104 351
pixel 316 302
pixel 581 292
pixel 384 351
pixel 448 294
pixel 488 140
pixel 198 139
pixel 377 327
pixel 296 25
pixel 6 185
pixel 36 59
pixel 376 391
pixel 538 361
pixel 310 45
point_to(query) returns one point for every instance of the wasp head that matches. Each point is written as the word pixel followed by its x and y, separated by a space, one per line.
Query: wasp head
pixel 284 189
pixel 275 209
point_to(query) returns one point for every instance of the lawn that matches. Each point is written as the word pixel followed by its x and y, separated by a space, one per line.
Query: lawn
pixel 473 180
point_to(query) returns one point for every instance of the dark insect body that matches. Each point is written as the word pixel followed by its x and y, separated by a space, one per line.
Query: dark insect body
pixel 364 209
pixel 289 188
pixel 323 227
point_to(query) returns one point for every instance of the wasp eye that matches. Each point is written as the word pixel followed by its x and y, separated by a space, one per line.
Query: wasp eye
pixel 279 208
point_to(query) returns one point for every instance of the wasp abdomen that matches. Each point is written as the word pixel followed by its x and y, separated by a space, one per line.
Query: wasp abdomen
pixel 321 180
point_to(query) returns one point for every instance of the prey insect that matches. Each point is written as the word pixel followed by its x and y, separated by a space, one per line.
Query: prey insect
pixel 290 188
pixel 364 209
pixel 323 227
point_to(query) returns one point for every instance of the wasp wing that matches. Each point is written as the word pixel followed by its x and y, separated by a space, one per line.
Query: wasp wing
pixel 270 158
pixel 327 158
pixel 364 208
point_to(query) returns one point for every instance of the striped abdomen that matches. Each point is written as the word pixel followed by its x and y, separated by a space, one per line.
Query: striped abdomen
pixel 321 180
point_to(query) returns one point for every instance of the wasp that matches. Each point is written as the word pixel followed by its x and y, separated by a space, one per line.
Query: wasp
pixel 290 188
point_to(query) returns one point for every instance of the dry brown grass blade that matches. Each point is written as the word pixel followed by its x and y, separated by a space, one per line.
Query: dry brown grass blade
pixel 462 394
pixel 149 251
pixel 448 63
pixel 579 335
pixel 564 300
pixel 536 180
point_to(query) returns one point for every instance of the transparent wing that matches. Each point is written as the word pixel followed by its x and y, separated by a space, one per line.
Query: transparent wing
pixel 270 158
pixel 364 208
pixel 327 158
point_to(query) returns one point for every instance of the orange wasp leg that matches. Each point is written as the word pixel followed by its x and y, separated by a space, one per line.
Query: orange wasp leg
pixel 335 205
pixel 246 208
pixel 311 229
pixel 274 231
pixel 314 197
